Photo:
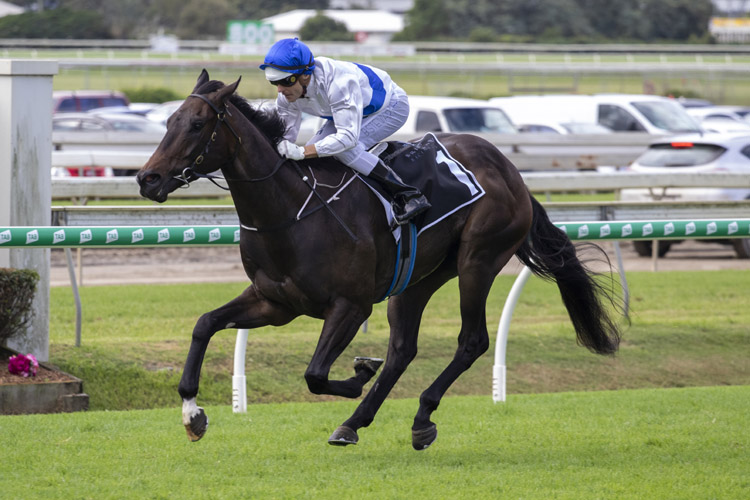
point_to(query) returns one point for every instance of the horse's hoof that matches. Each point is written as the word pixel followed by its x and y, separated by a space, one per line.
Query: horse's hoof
pixel 369 364
pixel 197 426
pixel 421 439
pixel 343 436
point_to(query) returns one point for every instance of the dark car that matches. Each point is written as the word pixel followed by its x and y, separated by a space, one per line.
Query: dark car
pixel 85 100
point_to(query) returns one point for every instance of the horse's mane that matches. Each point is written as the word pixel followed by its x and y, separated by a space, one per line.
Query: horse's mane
pixel 267 121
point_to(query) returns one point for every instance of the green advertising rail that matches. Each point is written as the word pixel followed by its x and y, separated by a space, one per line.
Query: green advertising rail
pixel 154 236
pixel 103 236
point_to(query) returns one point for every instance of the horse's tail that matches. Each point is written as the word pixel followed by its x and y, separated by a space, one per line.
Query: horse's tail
pixel 550 254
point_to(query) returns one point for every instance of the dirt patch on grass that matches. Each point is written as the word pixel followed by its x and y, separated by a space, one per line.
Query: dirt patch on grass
pixel 615 374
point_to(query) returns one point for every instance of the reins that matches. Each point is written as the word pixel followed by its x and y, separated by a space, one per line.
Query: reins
pixel 188 173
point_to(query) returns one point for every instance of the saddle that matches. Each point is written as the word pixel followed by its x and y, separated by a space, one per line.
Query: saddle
pixel 428 166
pixel 448 185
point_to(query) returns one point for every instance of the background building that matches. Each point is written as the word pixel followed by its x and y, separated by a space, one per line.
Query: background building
pixel 9 9
pixel 371 27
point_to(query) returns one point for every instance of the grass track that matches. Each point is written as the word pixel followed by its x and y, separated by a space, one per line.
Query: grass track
pixel 688 329
pixel 638 444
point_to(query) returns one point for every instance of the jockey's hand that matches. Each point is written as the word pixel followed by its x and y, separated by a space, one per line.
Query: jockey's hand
pixel 290 150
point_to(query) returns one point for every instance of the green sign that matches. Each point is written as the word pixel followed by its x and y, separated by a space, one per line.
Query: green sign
pixel 250 33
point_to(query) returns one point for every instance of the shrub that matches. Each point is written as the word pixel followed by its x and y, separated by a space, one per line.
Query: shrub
pixel 152 94
pixel 17 287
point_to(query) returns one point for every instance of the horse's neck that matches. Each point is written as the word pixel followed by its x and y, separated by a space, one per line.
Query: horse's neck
pixel 265 202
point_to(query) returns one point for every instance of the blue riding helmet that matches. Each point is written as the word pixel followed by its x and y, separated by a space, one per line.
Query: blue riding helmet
pixel 289 55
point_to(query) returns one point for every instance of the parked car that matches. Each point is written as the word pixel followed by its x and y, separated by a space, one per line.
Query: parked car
pixel 93 122
pixel 436 114
pixel 564 128
pixel 453 114
pixel 163 111
pixel 691 154
pixel 107 123
pixel 618 112
pixel 720 119
pixel 84 100
pixel 134 108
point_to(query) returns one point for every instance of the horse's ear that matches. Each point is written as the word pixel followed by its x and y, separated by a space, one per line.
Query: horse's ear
pixel 227 90
pixel 202 79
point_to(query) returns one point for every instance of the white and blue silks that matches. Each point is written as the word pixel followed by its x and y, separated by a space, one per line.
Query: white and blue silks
pixel 362 105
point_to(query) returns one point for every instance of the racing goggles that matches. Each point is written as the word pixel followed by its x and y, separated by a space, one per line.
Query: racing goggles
pixel 285 82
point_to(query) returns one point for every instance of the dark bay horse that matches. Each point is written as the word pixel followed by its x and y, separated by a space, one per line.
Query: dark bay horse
pixel 334 261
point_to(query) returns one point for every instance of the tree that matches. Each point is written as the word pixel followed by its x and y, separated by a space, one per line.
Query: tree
pixel 58 23
pixel 427 20
pixel 677 19
pixel 204 19
pixel 321 27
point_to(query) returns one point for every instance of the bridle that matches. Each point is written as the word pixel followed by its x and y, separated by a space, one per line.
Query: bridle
pixel 189 174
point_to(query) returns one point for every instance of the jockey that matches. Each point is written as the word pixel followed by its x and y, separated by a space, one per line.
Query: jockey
pixel 362 106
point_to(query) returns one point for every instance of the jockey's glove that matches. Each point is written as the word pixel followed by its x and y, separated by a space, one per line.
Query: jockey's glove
pixel 290 150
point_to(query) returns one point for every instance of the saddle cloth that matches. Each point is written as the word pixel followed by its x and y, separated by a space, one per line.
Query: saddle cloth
pixel 428 166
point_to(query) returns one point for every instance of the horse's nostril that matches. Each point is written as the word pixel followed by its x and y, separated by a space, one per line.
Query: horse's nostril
pixel 150 178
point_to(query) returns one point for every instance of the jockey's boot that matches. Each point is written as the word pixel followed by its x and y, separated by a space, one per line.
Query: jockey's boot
pixel 408 202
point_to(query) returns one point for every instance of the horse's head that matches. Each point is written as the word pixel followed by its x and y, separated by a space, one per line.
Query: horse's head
pixel 193 143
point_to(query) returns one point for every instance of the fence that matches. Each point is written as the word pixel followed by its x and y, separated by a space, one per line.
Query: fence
pixel 526 151
pixel 103 236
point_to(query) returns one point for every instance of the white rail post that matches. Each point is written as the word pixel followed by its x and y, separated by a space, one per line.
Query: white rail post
pixel 25 187
pixel 239 381
pixel 498 370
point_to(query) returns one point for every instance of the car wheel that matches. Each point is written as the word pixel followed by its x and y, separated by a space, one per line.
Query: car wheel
pixel 742 247
pixel 643 248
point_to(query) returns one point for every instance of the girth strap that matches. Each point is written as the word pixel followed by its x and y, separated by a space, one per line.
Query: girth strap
pixel 406 252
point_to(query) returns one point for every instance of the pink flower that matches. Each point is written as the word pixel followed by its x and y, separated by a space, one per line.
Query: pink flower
pixel 23 364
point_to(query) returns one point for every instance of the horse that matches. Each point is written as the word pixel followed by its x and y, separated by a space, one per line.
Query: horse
pixel 308 250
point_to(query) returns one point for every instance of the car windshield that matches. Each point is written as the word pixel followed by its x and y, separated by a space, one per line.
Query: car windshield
pixel 680 155
pixel 479 120
pixel 667 115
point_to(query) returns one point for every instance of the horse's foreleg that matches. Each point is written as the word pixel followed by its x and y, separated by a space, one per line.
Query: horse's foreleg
pixel 249 310
pixel 404 315
pixel 341 325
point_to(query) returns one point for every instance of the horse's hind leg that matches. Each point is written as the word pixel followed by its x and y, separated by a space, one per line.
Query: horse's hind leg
pixel 404 316
pixel 249 310
pixel 474 280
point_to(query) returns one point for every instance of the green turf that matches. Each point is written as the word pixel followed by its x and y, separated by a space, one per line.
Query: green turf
pixel 688 329
pixel 643 444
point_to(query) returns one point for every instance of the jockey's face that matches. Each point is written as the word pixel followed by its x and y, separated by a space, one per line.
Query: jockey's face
pixel 294 92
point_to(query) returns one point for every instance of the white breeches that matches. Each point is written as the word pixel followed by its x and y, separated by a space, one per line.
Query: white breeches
pixel 375 128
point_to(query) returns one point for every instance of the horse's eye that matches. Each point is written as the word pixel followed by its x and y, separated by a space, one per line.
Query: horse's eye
pixel 197 126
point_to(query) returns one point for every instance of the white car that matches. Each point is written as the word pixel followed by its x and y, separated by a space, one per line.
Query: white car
pixel 720 119
pixel 438 114
pixel 162 112
pixel 689 154
pixel 456 115
pixel 618 112
pixel 563 128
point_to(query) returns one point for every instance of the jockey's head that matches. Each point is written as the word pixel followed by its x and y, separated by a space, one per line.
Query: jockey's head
pixel 286 61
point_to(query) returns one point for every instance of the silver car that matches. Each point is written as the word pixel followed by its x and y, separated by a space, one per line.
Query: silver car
pixel 688 154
